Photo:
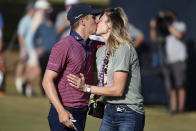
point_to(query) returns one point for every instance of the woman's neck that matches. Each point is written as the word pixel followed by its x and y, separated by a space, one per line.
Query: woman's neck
pixel 106 37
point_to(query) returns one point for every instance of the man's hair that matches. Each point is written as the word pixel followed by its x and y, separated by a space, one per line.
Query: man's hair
pixel 119 30
pixel 75 25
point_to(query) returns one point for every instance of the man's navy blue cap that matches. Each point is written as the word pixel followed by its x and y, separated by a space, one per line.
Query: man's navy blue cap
pixel 78 11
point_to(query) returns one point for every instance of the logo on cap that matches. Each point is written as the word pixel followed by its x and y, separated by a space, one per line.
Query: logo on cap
pixel 78 16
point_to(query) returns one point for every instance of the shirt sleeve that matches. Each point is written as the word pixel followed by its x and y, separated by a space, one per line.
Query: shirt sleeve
pixel 58 57
pixel 134 32
pixel 122 58
pixel 180 26
pixel 61 19
pixel 22 27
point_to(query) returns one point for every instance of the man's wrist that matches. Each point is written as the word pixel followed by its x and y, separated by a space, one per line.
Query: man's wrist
pixel 60 109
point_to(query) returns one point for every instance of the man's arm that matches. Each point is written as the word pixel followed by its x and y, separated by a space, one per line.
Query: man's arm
pixel 136 34
pixel 50 89
pixel 61 23
pixel 138 41
pixel 22 44
pixel 153 34
pixel 175 32
pixel 61 28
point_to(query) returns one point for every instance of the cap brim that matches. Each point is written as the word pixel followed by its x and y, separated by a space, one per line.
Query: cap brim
pixel 96 11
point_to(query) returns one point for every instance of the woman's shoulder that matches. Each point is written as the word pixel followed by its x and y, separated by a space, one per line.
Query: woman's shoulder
pixel 101 49
pixel 126 50
pixel 126 47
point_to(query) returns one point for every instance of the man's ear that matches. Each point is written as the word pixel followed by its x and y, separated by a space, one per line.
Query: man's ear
pixel 82 22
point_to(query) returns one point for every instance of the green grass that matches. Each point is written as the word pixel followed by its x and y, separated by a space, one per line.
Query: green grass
pixel 19 113
pixel 23 114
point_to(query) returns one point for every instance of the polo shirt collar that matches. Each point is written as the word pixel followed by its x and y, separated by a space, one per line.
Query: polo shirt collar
pixel 77 37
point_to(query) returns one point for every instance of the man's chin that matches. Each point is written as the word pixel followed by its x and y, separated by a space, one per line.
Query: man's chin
pixel 95 34
pixel 98 34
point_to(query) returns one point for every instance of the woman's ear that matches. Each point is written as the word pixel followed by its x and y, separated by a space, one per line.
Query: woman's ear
pixel 109 27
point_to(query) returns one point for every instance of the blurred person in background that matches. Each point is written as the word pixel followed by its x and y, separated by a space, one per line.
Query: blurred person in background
pixel 23 31
pixel 72 54
pixel 136 35
pixel 2 60
pixel 44 38
pixel 62 23
pixel 119 75
pixel 27 69
pixel 175 55
pixel 1 31
pixel 40 7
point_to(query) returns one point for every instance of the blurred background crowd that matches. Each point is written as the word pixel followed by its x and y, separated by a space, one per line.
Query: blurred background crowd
pixel 163 33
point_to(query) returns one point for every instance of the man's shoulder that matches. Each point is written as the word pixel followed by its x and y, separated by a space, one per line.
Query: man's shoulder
pixel 179 25
pixel 61 16
pixel 24 19
pixel 62 13
pixel 65 41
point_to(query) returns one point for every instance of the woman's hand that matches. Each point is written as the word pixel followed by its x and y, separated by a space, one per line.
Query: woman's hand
pixel 76 82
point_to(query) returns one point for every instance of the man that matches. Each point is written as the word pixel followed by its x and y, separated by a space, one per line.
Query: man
pixel 136 35
pixel 176 56
pixel 27 69
pixel 40 8
pixel 73 54
pixel 44 39
pixel 62 23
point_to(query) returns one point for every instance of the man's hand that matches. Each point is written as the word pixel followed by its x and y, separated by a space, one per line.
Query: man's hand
pixel 40 52
pixel 64 118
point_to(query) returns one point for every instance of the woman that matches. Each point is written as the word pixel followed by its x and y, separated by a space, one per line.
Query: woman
pixel 119 75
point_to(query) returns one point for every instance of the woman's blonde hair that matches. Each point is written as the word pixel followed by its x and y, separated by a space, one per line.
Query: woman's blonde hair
pixel 119 30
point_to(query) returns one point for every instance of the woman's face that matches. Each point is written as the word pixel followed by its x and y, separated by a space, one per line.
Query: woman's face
pixel 103 26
